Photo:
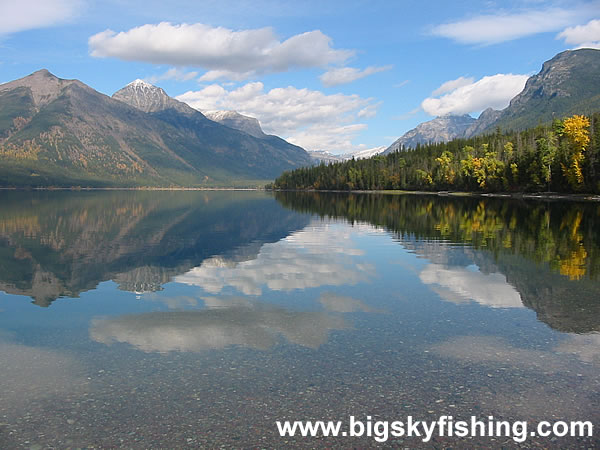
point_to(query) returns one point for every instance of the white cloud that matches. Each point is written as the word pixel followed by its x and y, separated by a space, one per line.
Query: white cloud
pixel 325 137
pixel 308 118
pixel 223 52
pixel 493 91
pixel 452 85
pixel 344 75
pixel 173 73
pixel 502 27
pixel 583 36
pixel 213 75
pixel 459 284
pixel 23 15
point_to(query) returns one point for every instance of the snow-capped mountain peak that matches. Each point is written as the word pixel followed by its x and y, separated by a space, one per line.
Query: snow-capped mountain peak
pixel 141 83
pixel 327 157
pixel 146 97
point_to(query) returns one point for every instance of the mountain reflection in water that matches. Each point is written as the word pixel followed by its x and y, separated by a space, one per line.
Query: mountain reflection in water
pixel 59 244
pixel 543 255
pixel 185 319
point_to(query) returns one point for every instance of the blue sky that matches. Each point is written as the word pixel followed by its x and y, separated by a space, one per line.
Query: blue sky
pixel 331 75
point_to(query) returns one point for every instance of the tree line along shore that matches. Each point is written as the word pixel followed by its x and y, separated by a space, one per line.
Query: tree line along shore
pixel 562 156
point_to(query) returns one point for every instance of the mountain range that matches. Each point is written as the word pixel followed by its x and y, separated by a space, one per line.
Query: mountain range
pixel 251 125
pixel 567 84
pixel 64 133
pixel 320 156
pixel 58 132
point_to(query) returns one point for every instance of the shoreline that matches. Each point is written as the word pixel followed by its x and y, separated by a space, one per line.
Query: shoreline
pixel 508 195
pixel 76 189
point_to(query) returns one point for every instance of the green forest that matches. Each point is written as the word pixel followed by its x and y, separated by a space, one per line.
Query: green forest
pixel 563 156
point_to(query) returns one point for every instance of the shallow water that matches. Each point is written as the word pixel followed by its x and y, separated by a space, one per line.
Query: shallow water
pixel 174 319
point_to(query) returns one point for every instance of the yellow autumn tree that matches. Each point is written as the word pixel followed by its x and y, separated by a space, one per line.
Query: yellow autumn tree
pixel 576 131
pixel 446 172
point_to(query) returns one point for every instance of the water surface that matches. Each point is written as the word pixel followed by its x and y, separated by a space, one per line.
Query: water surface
pixel 174 319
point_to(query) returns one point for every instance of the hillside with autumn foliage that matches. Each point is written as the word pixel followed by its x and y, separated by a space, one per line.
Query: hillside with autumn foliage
pixel 563 156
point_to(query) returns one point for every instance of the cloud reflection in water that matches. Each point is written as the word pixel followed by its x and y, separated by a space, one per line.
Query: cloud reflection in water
pixel 225 323
pixel 460 284
pixel 317 256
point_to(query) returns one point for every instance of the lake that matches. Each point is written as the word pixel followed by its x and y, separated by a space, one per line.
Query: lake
pixel 199 319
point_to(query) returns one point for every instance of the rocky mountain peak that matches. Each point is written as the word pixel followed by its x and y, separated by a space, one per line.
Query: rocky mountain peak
pixel 483 122
pixel 440 129
pixel 548 82
pixel 44 86
pixel 138 83
pixel 555 78
pixel 567 84
pixel 146 97
pixel 233 119
pixel 43 73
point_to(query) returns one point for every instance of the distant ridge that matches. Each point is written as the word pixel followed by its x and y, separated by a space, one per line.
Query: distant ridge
pixel 440 129
pixel 320 156
pixel 251 126
pixel 234 119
